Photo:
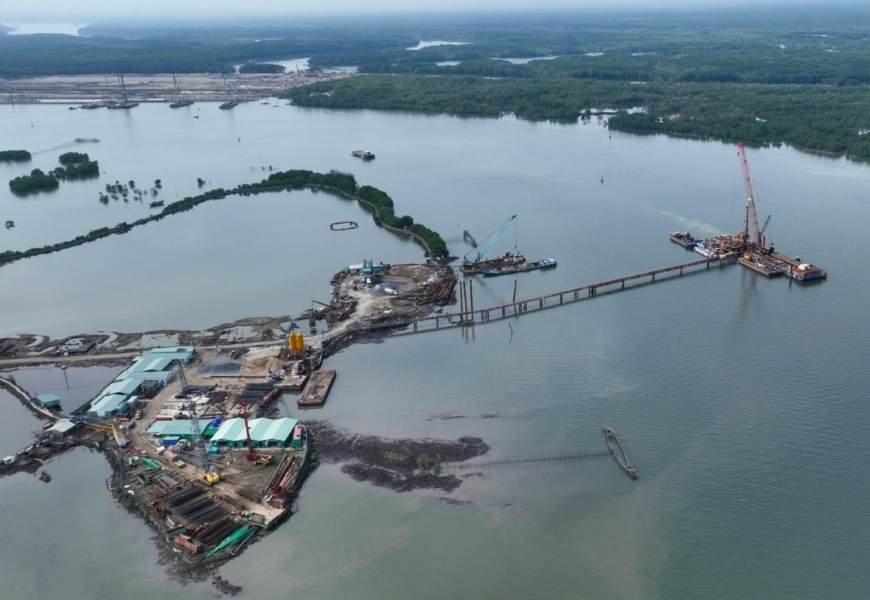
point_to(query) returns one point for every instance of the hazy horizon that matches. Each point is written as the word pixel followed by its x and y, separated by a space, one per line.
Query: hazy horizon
pixel 89 12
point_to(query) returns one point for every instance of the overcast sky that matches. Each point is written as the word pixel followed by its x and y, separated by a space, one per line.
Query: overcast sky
pixel 90 11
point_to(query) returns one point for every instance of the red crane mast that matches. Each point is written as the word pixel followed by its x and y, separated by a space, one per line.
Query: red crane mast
pixel 750 201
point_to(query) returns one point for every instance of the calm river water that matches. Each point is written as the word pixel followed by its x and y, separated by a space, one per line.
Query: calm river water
pixel 741 401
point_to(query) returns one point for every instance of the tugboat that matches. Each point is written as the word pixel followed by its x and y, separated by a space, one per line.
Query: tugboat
pixel 683 238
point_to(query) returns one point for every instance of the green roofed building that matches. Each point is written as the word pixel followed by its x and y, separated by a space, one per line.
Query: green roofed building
pixel 181 428
pixel 49 400
pixel 264 433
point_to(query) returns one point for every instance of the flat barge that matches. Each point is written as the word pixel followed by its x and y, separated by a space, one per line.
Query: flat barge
pixel 317 388
pixel 757 264
pixel 510 259
pixel 544 263
pixel 363 154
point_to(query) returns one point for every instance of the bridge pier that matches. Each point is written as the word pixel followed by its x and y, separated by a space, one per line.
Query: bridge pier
pixel 560 298
pixel 540 303
pixel 653 277
pixel 415 325
pixel 623 284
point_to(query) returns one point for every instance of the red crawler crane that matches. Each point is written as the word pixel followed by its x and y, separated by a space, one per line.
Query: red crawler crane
pixel 751 215
pixel 252 454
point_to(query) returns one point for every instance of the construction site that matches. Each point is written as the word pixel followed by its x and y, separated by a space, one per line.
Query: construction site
pixel 751 247
pixel 196 435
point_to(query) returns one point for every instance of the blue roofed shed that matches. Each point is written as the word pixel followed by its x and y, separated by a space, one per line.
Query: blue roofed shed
pixel 49 400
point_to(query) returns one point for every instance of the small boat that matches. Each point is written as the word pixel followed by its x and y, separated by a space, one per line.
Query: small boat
pixel 71 108
pixel 156 204
pixel 683 238
pixel 363 154
pixel 544 263
pixel 87 140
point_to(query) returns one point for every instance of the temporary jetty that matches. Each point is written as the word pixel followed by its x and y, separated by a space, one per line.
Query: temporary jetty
pixel 317 388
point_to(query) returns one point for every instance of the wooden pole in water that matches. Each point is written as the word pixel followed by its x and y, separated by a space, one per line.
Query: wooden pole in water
pixel 515 291
pixel 471 293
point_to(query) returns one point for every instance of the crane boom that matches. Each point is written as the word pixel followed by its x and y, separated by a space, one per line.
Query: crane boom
pixel 750 201
pixel 493 238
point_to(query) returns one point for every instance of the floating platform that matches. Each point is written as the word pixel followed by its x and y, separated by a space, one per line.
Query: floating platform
pixel 510 259
pixel 544 263
pixel 756 264
pixel 293 382
pixel 317 388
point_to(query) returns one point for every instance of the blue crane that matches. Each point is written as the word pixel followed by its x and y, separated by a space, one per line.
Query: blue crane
pixel 483 249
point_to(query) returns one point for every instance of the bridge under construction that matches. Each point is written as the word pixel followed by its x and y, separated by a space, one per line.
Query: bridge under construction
pixel 468 315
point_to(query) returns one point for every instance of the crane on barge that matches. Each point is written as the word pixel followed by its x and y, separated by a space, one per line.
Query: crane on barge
pixel 751 214
pixel 478 264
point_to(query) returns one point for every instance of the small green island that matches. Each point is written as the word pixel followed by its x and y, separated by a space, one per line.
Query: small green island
pixel 14 156
pixel 76 165
pixel 35 182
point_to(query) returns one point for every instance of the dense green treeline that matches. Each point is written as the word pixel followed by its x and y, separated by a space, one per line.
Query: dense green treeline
pixel 14 156
pixel 773 66
pixel 40 55
pixel 261 68
pixel 342 183
pixel 812 117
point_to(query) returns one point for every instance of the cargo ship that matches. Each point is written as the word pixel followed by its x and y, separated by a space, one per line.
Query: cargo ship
pixel 684 239
pixel 544 263
pixel 363 154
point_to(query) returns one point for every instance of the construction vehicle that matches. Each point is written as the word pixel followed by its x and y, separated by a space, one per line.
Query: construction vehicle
pixel 489 242
pixel 211 476
pixel 479 263
pixel 252 455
